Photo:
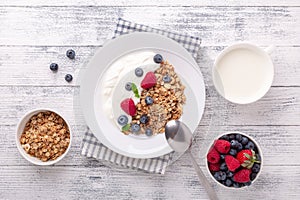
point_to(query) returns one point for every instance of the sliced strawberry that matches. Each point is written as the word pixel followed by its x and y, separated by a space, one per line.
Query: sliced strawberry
pixel 213 156
pixel 222 146
pixel 148 81
pixel 242 176
pixel 214 167
pixel 232 163
pixel 128 106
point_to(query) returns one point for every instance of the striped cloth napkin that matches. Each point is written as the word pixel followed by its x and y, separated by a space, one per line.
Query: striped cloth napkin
pixel 93 148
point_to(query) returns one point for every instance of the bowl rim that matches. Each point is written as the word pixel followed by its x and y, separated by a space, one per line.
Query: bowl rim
pixel 234 46
pixel 24 154
pixel 258 148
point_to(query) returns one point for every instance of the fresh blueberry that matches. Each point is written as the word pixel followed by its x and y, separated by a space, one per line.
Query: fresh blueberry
pixel 148 100
pixel 234 144
pixel 228 182
pixel 231 136
pixel 148 132
pixel 223 167
pixel 233 152
pixel 250 145
pixel 54 67
pixel 236 185
pixel 128 86
pixel 220 176
pixel 167 79
pixel 239 147
pixel 158 58
pixel 229 174
pixel 122 120
pixel 225 137
pixel 68 77
pixel 135 128
pixel 223 176
pixel 222 157
pixel 217 176
pixel 256 168
pixel 244 140
pixel 70 54
pixel 139 72
pixel 258 157
pixel 238 137
pixel 144 119
pixel 253 176
pixel 247 184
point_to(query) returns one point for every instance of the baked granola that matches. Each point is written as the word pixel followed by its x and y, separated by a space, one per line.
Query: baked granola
pixel 46 136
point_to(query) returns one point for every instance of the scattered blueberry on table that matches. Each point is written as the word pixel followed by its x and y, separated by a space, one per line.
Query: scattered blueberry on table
pixel 70 54
pixel 68 77
pixel 53 67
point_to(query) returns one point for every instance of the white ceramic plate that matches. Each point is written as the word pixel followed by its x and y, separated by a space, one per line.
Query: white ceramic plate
pixel 91 101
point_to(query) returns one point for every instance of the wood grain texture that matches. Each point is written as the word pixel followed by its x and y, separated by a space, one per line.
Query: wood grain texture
pixel 35 33
pixel 279 107
pixel 179 182
pixel 154 3
pixel 275 141
pixel 91 25
pixel 29 65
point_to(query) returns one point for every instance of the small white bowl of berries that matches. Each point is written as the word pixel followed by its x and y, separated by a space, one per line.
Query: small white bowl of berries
pixel 234 160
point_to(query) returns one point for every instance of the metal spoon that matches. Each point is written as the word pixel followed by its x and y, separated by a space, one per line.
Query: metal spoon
pixel 179 137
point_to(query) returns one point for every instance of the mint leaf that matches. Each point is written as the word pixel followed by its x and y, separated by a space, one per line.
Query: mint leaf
pixel 135 90
pixel 126 127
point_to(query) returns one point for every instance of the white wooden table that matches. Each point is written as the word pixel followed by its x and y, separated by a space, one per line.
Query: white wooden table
pixel 35 33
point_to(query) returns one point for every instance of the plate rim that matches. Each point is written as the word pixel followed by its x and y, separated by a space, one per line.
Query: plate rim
pixel 92 124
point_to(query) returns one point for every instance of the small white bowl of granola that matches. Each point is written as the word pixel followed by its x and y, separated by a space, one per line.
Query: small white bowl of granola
pixel 43 136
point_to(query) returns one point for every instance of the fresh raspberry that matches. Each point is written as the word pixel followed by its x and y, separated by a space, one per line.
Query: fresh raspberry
pixel 213 156
pixel 242 176
pixel 232 163
pixel 148 81
pixel 128 106
pixel 214 167
pixel 222 146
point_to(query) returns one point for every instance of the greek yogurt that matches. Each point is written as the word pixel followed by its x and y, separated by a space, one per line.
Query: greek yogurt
pixel 118 74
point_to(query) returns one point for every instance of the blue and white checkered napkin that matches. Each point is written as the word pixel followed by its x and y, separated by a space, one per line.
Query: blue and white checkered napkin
pixel 92 147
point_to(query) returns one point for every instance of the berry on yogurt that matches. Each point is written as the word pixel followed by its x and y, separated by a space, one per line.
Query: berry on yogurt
pixel 122 120
pixel 128 86
pixel 157 58
pixel 139 72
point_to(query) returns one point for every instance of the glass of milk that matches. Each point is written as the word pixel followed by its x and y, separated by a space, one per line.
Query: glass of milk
pixel 243 73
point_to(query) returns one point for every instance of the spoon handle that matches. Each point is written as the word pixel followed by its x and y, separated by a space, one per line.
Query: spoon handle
pixel 203 180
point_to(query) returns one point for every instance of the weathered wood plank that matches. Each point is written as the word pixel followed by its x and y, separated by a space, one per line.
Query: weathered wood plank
pixel 179 182
pixel 275 141
pixel 30 65
pixel 280 106
pixel 148 3
pixel 91 25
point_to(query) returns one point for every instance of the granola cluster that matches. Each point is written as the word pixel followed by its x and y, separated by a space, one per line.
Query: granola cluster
pixel 168 100
pixel 46 136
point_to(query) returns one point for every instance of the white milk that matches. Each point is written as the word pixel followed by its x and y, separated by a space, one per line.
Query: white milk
pixel 243 74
